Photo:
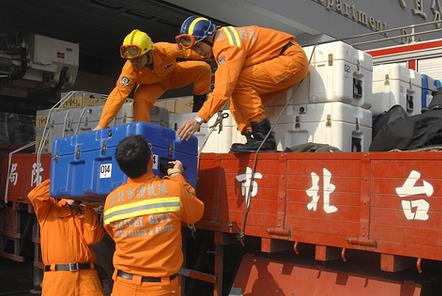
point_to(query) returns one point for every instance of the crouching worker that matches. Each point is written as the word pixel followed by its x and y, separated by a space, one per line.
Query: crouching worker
pixel 68 229
pixel 144 218
pixel 255 65
pixel 151 69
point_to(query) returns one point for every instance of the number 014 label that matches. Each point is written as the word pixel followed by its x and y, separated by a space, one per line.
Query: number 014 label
pixel 105 170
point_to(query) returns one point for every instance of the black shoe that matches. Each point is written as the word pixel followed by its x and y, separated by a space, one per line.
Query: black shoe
pixel 249 138
pixel 259 131
pixel 198 101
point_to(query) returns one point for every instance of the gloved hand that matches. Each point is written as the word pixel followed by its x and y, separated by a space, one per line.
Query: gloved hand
pixel 176 169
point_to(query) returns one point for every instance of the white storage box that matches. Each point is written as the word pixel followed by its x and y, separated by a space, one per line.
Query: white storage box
pixel 297 95
pixel 80 120
pixel 159 116
pixel 68 122
pixel 394 84
pixel 337 124
pixel 338 73
pixel 217 142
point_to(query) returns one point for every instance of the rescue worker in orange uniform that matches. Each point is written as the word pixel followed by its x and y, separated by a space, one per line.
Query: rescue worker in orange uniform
pixel 152 69
pixel 144 218
pixel 67 232
pixel 255 65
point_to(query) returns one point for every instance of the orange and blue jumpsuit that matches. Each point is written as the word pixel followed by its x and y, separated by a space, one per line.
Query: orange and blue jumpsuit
pixel 150 84
pixel 144 218
pixel 66 236
pixel 255 65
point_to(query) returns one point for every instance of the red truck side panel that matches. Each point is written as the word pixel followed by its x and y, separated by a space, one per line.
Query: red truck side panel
pixel 388 203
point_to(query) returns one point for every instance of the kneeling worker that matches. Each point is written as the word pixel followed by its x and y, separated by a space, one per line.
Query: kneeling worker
pixel 151 69
pixel 255 65
pixel 67 232
pixel 144 219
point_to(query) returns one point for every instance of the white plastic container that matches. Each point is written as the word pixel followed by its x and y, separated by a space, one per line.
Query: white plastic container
pixel 80 120
pixel 67 122
pixel 337 124
pixel 217 142
pixel 338 73
pixel 394 84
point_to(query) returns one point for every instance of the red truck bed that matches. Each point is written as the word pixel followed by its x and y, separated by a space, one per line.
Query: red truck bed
pixel 388 203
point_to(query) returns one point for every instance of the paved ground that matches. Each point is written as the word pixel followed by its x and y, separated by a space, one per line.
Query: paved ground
pixel 15 278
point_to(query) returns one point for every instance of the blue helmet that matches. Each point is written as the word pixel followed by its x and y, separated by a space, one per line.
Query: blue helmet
pixel 198 27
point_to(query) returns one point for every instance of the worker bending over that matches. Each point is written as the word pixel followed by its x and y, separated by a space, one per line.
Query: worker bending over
pixel 255 65
pixel 68 229
pixel 144 218
pixel 151 69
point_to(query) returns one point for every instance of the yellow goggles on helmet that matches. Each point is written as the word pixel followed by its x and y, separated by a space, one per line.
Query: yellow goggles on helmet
pixel 130 51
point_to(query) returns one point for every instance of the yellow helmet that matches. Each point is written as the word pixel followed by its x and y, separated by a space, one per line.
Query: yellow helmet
pixel 135 44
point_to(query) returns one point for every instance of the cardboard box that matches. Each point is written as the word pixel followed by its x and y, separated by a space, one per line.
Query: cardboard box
pixel 84 99
pixel 168 104
pixel 183 104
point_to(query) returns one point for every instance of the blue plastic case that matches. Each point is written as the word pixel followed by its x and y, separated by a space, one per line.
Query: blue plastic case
pixel 427 90
pixel 84 166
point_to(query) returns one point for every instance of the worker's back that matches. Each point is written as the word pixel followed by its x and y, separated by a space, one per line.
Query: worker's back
pixel 144 219
pixel 258 43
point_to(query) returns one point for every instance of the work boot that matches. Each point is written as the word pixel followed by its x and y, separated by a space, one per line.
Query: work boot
pixel 249 138
pixel 259 131
pixel 198 101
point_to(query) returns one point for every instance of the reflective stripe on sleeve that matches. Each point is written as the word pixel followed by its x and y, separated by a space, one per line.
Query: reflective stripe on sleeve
pixel 232 36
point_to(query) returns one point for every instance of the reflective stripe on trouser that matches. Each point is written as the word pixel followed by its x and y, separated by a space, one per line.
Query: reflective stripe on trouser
pixel 134 287
pixel 184 73
pixel 66 283
pixel 263 82
pixel 143 207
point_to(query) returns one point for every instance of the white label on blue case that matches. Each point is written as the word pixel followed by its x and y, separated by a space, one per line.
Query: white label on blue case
pixel 105 170
pixel 155 162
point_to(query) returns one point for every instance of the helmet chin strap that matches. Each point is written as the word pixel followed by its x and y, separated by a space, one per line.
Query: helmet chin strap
pixel 149 63
pixel 208 42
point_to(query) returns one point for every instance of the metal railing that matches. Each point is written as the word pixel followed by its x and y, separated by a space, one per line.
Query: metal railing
pixel 402 34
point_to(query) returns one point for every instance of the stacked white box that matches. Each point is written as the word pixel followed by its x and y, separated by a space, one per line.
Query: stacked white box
pixel 338 124
pixel 66 122
pixel 338 73
pixel 217 142
pixel 331 105
pixel 394 84
pixel 80 120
